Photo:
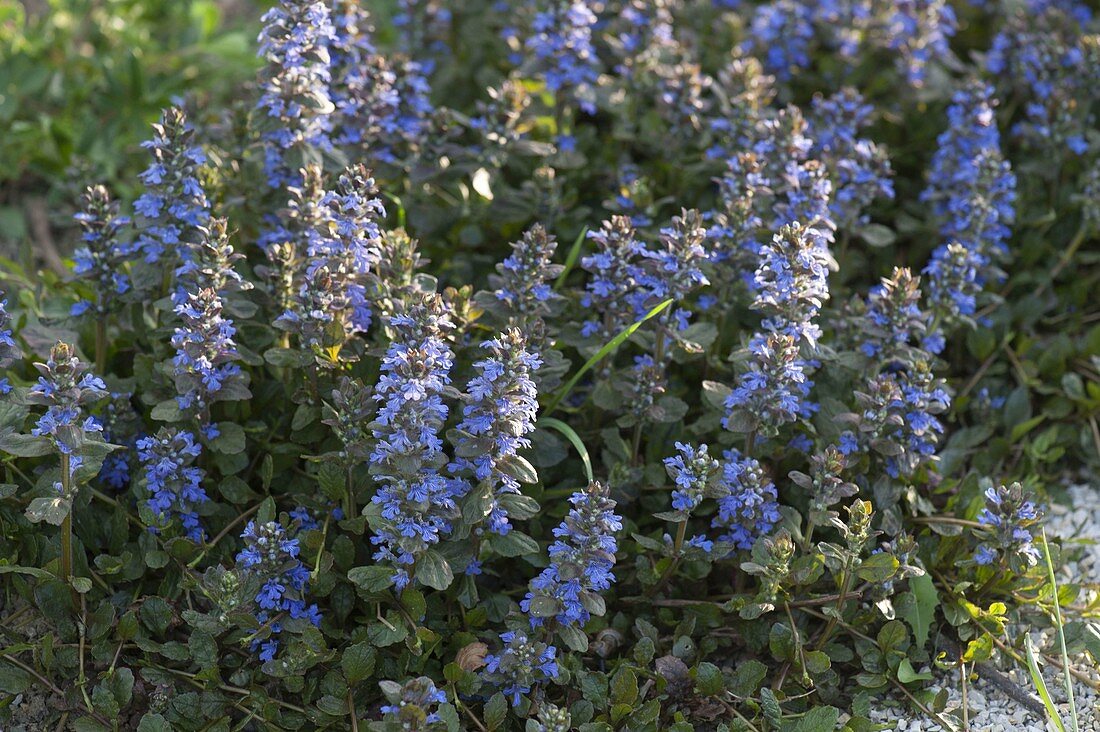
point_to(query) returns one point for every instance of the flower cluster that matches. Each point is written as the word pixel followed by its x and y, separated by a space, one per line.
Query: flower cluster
pixel 173 480
pixel 1008 520
pixel 859 169
pixel 206 354
pixel 502 407
pixel 212 264
pixel 581 561
pixel 971 185
pixel 174 203
pixel 101 256
pixel 791 284
pixel 338 245
pixel 899 418
pixel 416 502
pixel 353 88
pixel 1041 52
pixel 9 349
pixel 894 323
pixel 612 290
pixel 521 664
pixel 748 508
pixel 403 123
pixel 295 99
pixel 694 472
pixel 271 554
pixel 782 32
pixel 561 46
pixel 525 277
pixel 672 268
pixel 785 32
pixel 65 388
pixel 412 705
pixel 920 31
pixel 121 425
pixel 955 279
pixel 348 414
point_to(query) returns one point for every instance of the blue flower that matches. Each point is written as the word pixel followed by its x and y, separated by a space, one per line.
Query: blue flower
pixel 271 554
pixel 561 47
pixel 9 349
pixel 167 459
pixel 581 561
pixel 174 204
pixel 613 292
pixel 782 32
pixel 522 664
pixel 972 191
pixel 206 354
pixel 412 706
pixel 1008 522
pixel 337 239
pixel 748 508
pixel 64 388
pixel 525 278
pixel 1040 56
pixel 501 411
pixel 295 84
pixel 859 169
pixel 101 256
pixel 417 503
pixel 693 471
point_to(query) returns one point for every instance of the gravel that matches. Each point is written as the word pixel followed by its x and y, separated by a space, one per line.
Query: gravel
pixel 1077 523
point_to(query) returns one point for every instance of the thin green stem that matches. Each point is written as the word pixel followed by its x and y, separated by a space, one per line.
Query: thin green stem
pixel 1061 630
pixel 67 527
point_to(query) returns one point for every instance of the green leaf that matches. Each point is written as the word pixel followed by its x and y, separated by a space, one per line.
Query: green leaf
pixel 24 445
pixel 571 258
pixel 574 439
pixel 155 614
pixel 496 711
pixel 153 723
pixel 14 680
pixel 31 571
pixel 770 705
pixel 372 579
pixel 358 662
pixel 1041 684
pixel 600 355
pixel 878 567
pixel 708 679
pixel 230 439
pixel 624 687
pixel 747 678
pixel 514 544
pixel 918 607
pixel 52 510
pixel 818 719
pixel 434 571
pixel 907 674
pixel 877 235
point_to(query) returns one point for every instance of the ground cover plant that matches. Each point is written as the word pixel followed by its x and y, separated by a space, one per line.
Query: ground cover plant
pixel 566 365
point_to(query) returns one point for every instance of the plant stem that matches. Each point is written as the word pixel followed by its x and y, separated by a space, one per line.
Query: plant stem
pixel 100 345
pixel 67 529
pixel 350 509
pixel 1061 630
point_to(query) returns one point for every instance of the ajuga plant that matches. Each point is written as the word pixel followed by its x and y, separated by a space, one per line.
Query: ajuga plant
pixel 562 365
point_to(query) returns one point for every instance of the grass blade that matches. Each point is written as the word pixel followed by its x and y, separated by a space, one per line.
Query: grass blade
pixel 571 435
pixel 571 260
pixel 1061 632
pixel 608 347
pixel 1041 684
